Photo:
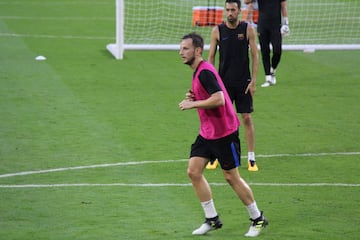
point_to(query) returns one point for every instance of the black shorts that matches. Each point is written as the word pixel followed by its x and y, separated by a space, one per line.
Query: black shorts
pixel 226 150
pixel 243 102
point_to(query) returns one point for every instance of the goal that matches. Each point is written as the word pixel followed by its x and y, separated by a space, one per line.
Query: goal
pixel 160 24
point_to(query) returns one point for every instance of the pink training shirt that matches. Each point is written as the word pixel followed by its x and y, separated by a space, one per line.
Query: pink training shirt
pixel 217 122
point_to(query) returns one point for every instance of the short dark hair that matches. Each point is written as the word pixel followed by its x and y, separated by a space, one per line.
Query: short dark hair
pixel 234 1
pixel 197 39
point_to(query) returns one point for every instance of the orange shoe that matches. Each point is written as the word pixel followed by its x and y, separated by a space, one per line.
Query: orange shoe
pixel 252 167
pixel 213 165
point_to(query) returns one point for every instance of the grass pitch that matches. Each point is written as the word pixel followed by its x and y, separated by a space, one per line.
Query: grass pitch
pixel 94 148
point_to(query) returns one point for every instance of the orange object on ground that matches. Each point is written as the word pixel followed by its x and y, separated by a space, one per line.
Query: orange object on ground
pixel 207 16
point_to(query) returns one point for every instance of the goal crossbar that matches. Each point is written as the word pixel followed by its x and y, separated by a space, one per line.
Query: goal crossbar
pixel 159 24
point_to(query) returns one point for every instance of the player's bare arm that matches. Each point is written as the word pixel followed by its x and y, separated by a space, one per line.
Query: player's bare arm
pixel 214 39
pixel 254 59
pixel 284 11
pixel 216 99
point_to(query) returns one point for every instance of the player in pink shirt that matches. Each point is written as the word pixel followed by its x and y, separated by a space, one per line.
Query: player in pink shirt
pixel 218 138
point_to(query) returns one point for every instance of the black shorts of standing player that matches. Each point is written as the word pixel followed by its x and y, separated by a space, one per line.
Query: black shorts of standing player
pixel 226 150
pixel 243 102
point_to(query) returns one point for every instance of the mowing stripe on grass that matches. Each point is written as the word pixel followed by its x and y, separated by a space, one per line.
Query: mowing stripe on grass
pixel 174 185
pixel 163 161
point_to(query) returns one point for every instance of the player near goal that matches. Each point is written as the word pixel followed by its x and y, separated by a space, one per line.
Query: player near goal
pixel 234 37
pixel 270 30
pixel 218 138
pixel 252 13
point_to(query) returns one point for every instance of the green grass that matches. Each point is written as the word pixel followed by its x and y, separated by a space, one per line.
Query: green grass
pixel 81 107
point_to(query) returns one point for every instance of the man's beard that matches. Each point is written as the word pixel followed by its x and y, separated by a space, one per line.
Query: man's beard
pixel 232 20
pixel 191 61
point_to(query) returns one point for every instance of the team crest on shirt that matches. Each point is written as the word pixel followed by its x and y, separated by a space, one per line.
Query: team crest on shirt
pixel 240 36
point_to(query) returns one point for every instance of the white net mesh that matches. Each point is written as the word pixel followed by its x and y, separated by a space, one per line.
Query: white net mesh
pixel 151 24
pixel 161 22
pixel 324 22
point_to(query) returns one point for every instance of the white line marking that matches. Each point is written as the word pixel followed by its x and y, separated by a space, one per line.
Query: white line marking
pixel 87 167
pixel 54 36
pixel 301 4
pixel 59 18
pixel 176 185
pixel 62 3
pixel 164 161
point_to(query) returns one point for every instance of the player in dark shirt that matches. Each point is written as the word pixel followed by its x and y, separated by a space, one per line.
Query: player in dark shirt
pixel 234 37
pixel 272 24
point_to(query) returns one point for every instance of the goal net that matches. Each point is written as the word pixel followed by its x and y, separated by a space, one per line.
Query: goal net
pixel 160 24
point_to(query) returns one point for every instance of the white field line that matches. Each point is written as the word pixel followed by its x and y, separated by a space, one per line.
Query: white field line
pixel 174 185
pixel 62 3
pixel 54 36
pixel 58 18
pixel 7 175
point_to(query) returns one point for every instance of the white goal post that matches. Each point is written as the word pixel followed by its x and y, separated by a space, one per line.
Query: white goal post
pixel 117 49
pixel 159 24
